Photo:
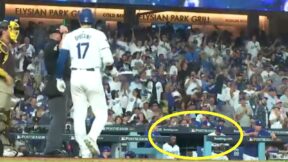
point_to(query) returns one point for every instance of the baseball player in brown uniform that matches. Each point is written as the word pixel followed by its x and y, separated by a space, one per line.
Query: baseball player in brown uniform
pixel 9 32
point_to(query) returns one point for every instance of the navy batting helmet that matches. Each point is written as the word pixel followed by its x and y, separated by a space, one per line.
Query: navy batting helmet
pixel 86 17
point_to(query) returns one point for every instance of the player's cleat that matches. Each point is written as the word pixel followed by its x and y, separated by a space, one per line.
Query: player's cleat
pixel 12 153
pixel 86 156
pixel 92 146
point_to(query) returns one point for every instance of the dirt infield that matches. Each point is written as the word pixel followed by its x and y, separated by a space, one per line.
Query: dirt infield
pixel 94 160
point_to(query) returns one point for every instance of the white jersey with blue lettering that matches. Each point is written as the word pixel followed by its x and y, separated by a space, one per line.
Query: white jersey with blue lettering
pixel 87 47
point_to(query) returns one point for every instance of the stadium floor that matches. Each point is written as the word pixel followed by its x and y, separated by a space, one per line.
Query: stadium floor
pixel 93 160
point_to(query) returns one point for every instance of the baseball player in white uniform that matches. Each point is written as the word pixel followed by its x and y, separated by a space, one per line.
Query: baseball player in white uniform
pixel 87 48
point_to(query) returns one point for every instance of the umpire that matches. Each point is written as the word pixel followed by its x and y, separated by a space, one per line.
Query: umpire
pixel 58 103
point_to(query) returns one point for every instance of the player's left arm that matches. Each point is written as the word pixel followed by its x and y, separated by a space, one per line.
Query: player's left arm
pixel 106 54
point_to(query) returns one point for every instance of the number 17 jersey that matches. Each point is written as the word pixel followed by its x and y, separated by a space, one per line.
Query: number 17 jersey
pixel 85 46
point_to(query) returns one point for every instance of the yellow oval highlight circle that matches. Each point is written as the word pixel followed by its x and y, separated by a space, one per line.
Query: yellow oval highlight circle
pixel 195 112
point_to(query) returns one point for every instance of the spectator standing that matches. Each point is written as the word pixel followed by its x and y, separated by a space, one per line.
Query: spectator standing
pixel 277 120
pixel 197 36
pixel 148 113
pixel 261 111
pixel 20 58
pixel 114 104
pixel 253 47
pixel 271 98
pixel 193 85
pixel 163 45
pixel 284 100
pixel 136 45
pixel 134 100
pixel 244 113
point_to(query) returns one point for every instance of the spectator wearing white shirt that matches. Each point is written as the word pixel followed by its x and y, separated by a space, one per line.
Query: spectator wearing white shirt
pixel 122 45
pixel 271 98
pixel 284 100
pixel 115 104
pixel 30 50
pixel 253 47
pixel 244 113
pixel 210 50
pixel 148 113
pixel 267 74
pixel 230 94
pixel 196 36
pixel 136 45
pixel 136 63
pixel 136 84
pixel 192 84
pixel 276 118
pixel 19 58
pixel 115 84
pixel 163 45
pixel 124 94
pixel 171 147
pixel 134 100
pixel 173 70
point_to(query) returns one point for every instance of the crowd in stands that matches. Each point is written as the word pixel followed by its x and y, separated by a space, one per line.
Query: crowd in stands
pixel 163 70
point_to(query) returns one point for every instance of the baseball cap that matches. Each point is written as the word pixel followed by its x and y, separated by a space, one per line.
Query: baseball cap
pixel 130 154
pixel 106 149
pixel 219 128
pixel 258 123
pixel 54 29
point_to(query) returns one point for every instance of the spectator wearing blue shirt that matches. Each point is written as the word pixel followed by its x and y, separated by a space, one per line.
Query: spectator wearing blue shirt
pixel 130 155
pixel 257 130
pixel 30 107
pixel 155 133
pixel 192 57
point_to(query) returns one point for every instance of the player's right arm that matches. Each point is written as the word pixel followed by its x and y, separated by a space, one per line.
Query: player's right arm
pixel 64 54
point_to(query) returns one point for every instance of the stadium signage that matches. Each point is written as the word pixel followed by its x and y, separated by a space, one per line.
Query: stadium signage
pixel 45 13
pixel 41 11
pixel 61 12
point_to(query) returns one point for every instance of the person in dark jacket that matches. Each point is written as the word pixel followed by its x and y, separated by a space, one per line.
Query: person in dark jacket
pixel 58 102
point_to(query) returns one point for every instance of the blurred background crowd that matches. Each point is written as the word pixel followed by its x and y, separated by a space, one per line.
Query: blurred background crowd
pixel 165 70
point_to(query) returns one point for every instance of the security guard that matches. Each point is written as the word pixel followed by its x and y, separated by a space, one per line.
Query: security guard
pixel 9 32
pixel 58 103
